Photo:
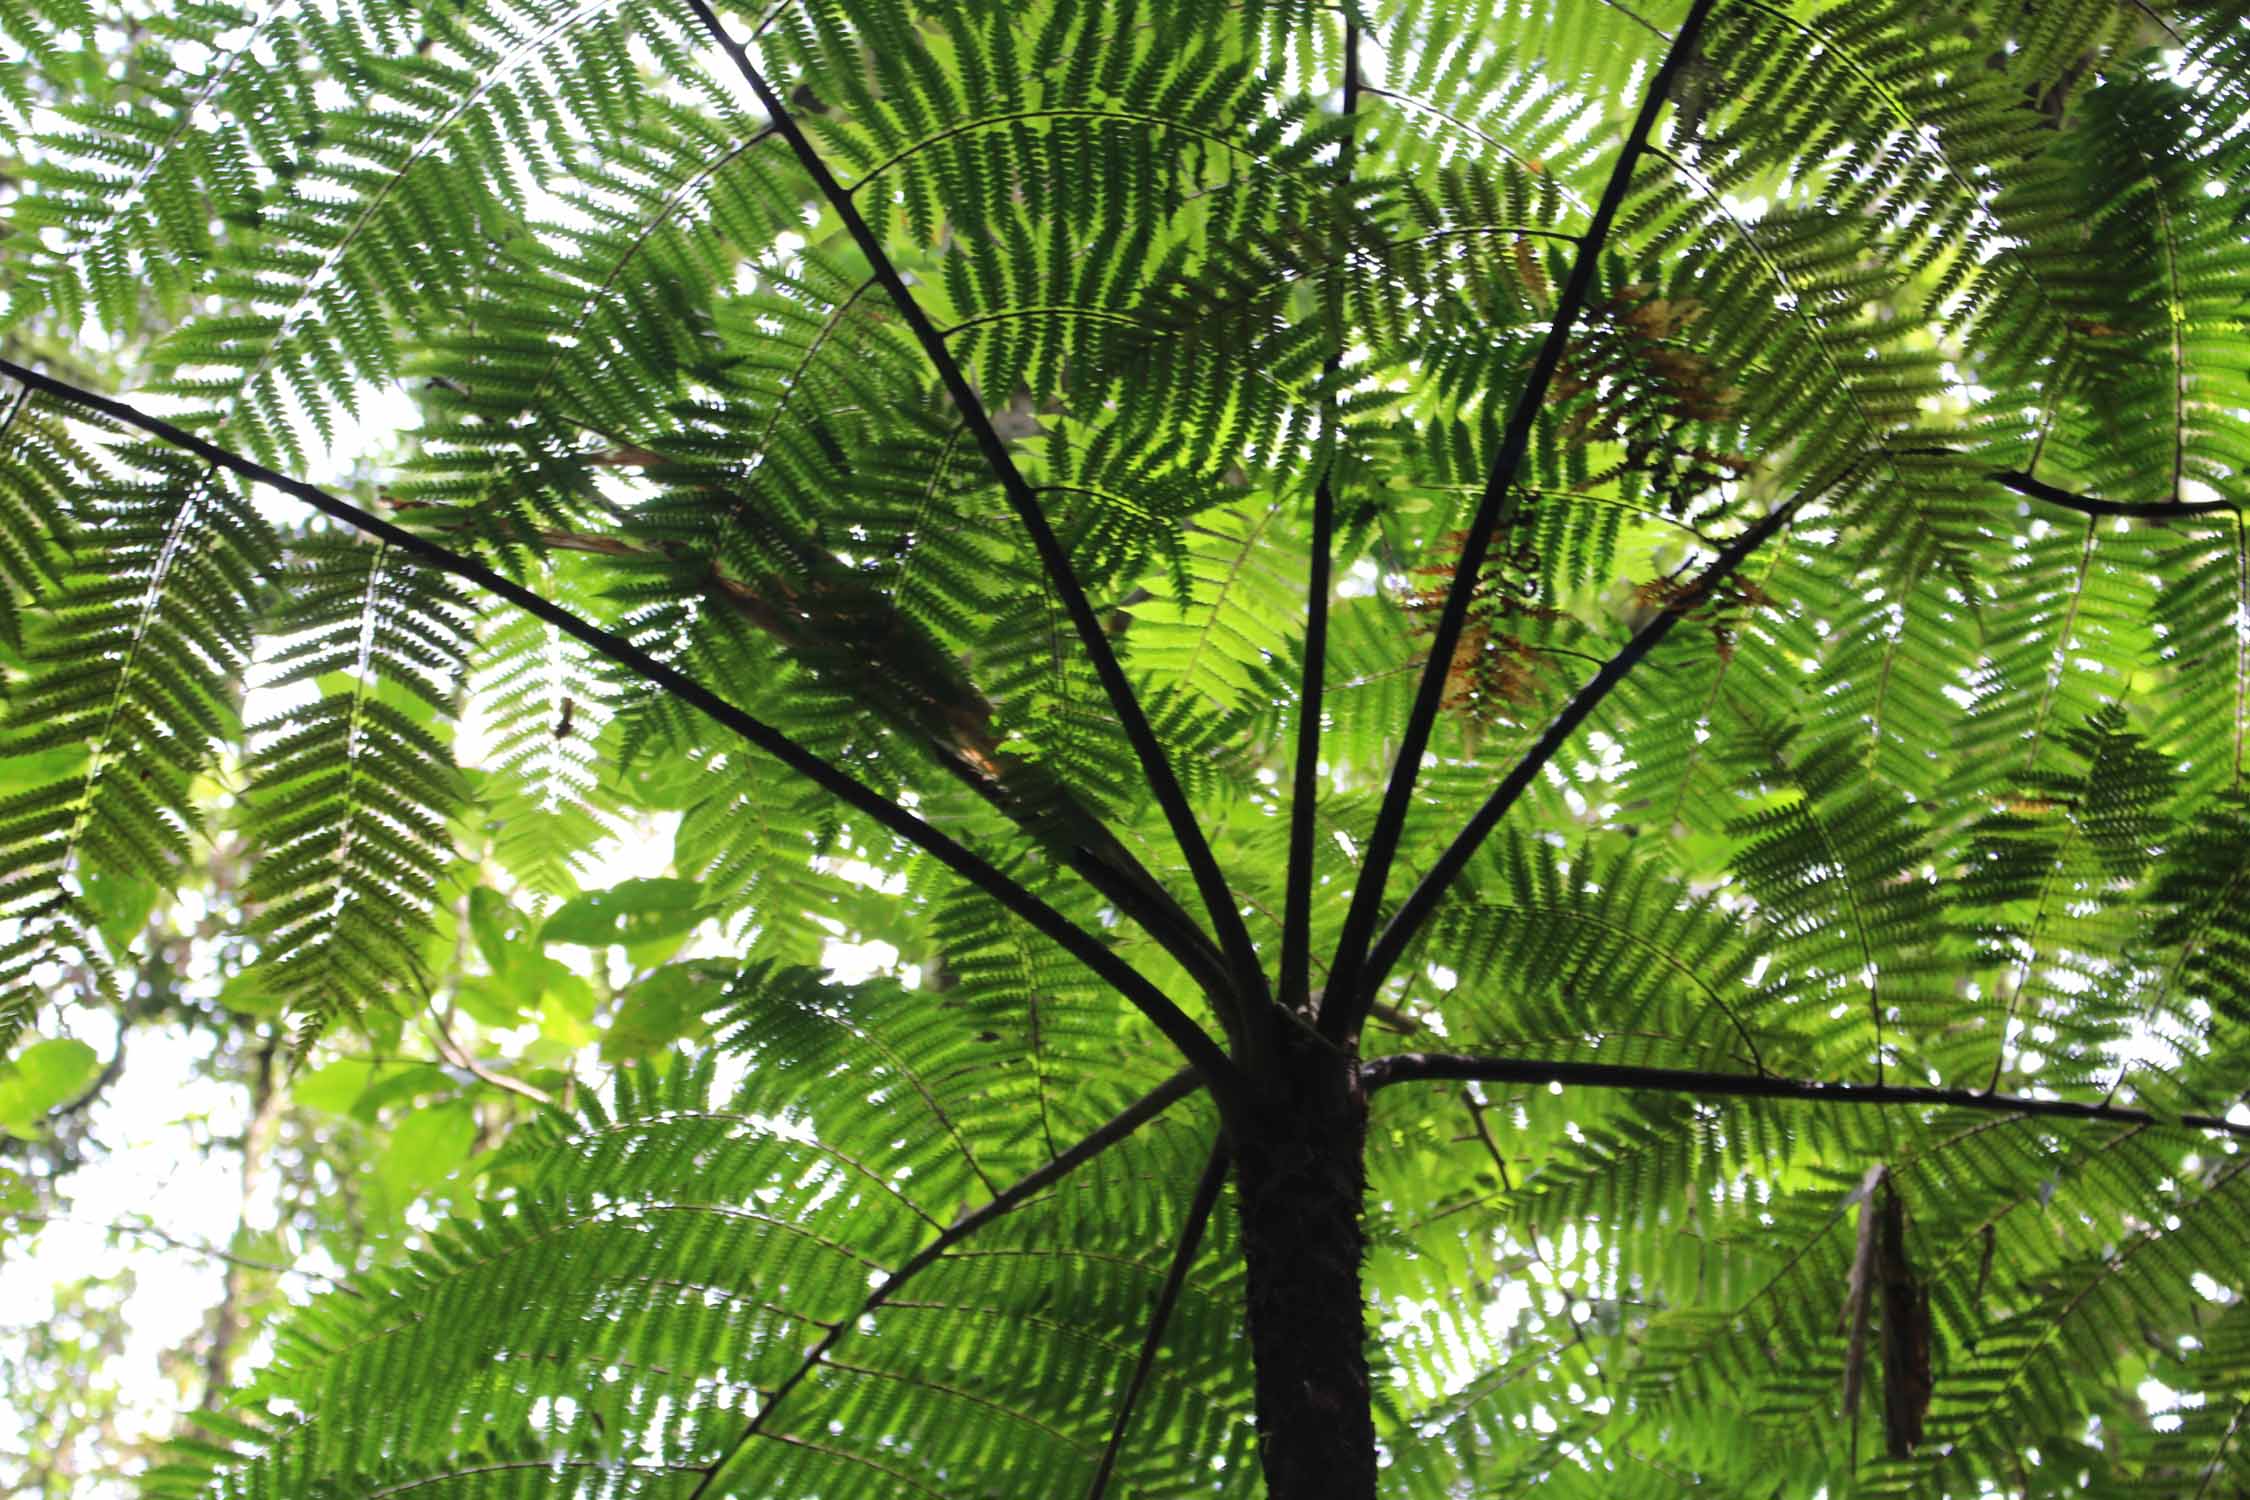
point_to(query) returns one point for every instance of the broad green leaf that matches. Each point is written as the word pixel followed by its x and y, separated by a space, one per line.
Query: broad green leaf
pixel 658 1011
pixel 41 1077
pixel 424 1149
pixel 121 905
pixel 498 927
pixel 333 1088
pixel 494 1000
pixel 633 913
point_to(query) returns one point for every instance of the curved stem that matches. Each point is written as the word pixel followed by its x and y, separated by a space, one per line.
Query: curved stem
pixel 1183 1256
pixel 1163 782
pixel 1005 1202
pixel 2088 505
pixel 1345 1003
pixel 1425 1067
pixel 1194 1043
pixel 1304 791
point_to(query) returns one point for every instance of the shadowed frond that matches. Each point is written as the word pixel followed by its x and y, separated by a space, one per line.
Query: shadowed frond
pixel 351 796
pixel 595 1322
pixel 128 693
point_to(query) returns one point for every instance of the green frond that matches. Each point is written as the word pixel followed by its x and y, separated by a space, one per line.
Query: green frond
pixel 350 800
pixel 543 708
pixel 132 661
pixel 2067 587
pixel 1837 868
pixel 41 467
pixel 2201 897
pixel 594 1321
pixel 1223 637
pixel 1603 948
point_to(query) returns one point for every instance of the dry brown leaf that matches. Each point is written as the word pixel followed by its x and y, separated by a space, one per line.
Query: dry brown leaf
pixel 1907 1383
pixel 1857 1301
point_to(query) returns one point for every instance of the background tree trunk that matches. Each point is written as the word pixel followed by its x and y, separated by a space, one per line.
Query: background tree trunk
pixel 1299 1180
pixel 231 1318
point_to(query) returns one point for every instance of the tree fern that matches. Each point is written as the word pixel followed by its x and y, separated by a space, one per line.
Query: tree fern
pixel 1623 627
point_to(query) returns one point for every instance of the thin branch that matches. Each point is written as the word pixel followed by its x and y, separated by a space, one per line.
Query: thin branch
pixel 1413 1067
pixel 1345 1006
pixel 2087 505
pixel 112 1069
pixel 1194 1043
pixel 1179 1086
pixel 550 1464
pixel 2024 483
pixel 1422 902
pixel 1234 937
pixel 2218 1459
pixel 194 1247
pixel 952 722
pixel 1304 792
pixel 454 1053
pixel 1507 1185
pixel 1183 1256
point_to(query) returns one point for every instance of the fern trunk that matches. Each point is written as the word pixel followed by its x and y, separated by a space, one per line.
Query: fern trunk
pixel 1299 1181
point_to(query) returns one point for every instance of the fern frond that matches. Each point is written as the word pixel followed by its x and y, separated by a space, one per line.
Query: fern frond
pixel 608 1280
pixel 351 796
pixel 132 673
pixel 543 708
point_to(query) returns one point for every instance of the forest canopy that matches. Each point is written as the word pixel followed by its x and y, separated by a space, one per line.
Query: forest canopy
pixel 864 748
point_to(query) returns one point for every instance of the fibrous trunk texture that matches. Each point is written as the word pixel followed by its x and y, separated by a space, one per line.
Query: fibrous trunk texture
pixel 1299 1181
